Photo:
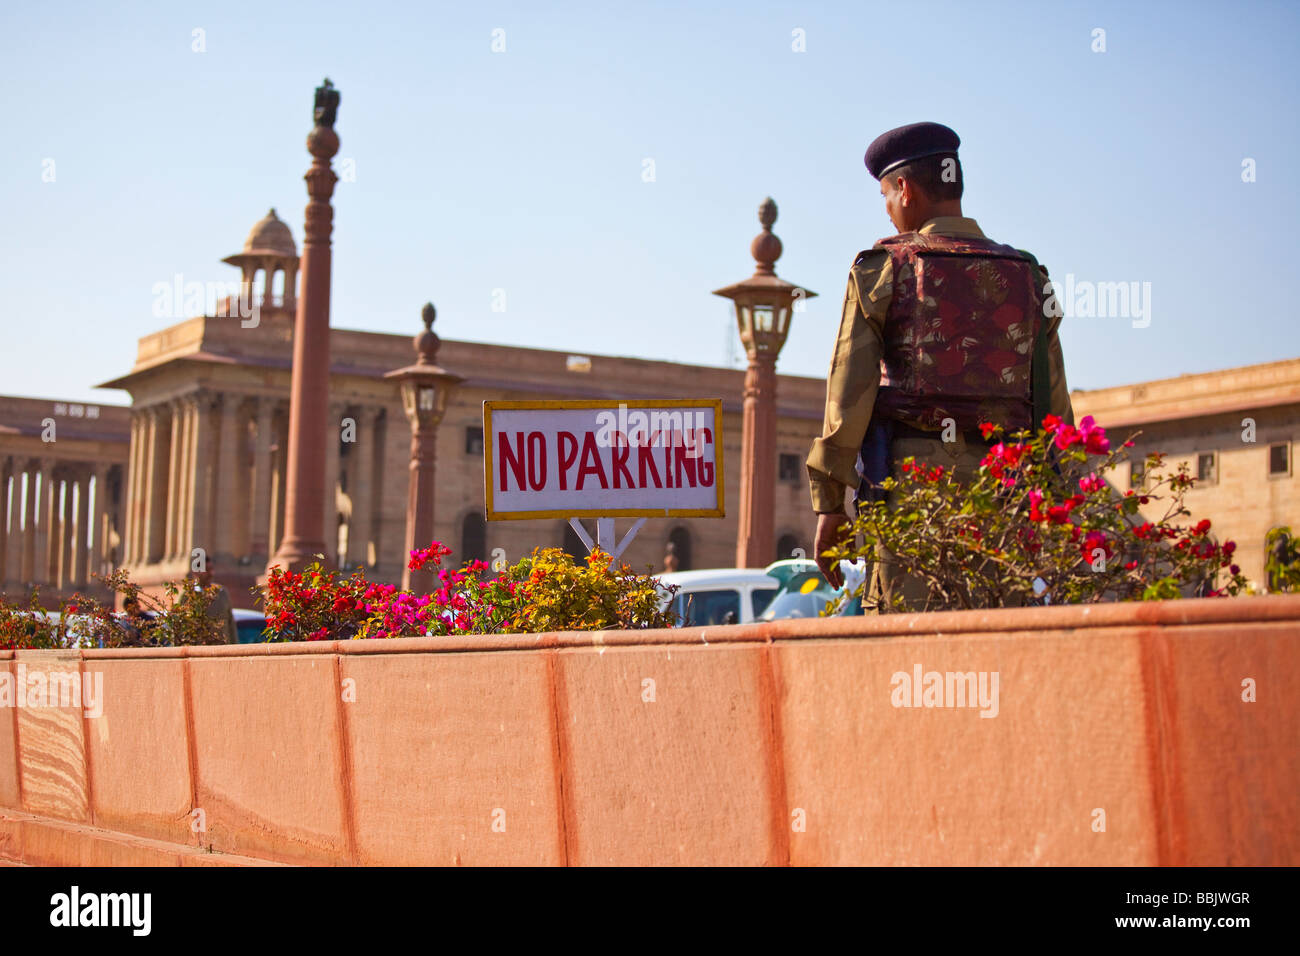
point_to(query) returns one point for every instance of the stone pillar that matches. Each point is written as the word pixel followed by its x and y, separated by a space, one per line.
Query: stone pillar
pixel 81 536
pixel 47 568
pixel 5 470
pixel 226 502
pixel 754 545
pixel 331 512
pixel 29 562
pixel 199 513
pixel 260 512
pixel 157 459
pixel 308 406
pixel 132 471
pixel 279 477
pixel 185 506
pixel 68 529
pixel 170 510
pixel 361 528
pixel 97 549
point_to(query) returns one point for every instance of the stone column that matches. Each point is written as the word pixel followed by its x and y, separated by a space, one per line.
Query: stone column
pixel 97 550
pixel 158 459
pixel 226 503
pixel 5 470
pixel 81 538
pixel 48 563
pixel 361 528
pixel 67 528
pixel 170 510
pixel 308 406
pixel 757 465
pixel 260 512
pixel 199 512
pixel 28 566
pixel 132 472
pixel 331 512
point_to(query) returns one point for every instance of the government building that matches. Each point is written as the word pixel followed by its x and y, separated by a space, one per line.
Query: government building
pixel 195 465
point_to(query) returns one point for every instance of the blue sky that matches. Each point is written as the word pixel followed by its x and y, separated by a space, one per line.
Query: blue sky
pixel 522 170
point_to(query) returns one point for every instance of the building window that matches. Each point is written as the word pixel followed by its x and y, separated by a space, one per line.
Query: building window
pixel 789 469
pixel 1279 459
pixel 473 440
pixel 473 538
pixel 1137 474
pixel 1207 472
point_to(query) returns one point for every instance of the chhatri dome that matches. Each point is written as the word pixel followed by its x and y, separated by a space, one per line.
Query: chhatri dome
pixel 268 253
pixel 271 236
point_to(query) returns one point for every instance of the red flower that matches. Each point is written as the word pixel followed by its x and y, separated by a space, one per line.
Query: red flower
pixel 1095 541
pixel 987 429
pixel 1051 423
pixel 1201 527
pixel 1066 436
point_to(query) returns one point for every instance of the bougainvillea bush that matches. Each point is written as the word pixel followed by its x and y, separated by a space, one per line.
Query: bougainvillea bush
pixel 547 591
pixel 1040 524
pixel 178 617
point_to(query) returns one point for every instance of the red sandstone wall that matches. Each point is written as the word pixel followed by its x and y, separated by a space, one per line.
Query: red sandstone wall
pixel 764 744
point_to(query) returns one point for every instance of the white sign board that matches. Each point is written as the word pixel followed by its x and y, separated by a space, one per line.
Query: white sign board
pixel 600 459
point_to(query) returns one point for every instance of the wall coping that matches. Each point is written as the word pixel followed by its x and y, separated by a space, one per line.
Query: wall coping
pixel 1189 611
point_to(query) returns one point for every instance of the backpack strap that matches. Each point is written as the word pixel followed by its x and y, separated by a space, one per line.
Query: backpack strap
pixel 1040 369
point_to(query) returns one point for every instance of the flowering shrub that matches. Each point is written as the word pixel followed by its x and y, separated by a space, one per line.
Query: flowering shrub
pixel 1282 560
pixel 549 590
pixel 1039 523
pixel 559 593
pixel 180 617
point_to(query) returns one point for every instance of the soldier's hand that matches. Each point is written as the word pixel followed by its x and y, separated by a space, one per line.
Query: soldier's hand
pixel 832 529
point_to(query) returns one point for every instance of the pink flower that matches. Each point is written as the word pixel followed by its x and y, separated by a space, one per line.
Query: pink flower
pixel 1091 483
pixel 1095 441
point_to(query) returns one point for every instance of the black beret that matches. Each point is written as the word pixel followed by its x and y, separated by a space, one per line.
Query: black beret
pixel 914 141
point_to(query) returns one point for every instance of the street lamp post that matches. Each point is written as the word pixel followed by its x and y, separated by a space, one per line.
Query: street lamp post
pixel 764 305
pixel 426 386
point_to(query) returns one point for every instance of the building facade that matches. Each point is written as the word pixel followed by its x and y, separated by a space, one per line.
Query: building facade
pixel 193 472
pixel 1234 429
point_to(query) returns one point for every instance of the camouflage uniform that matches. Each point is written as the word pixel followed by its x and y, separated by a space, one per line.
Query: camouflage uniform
pixel 866 343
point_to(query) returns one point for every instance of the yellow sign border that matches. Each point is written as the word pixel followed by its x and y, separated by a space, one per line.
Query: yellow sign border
pixel 715 403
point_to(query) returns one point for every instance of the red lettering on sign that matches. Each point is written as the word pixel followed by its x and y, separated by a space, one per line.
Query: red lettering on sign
pixel 591 463
pixel 621 454
pixel 681 457
pixel 706 467
pixel 645 456
pixel 537 460
pixel 568 443
pixel 513 459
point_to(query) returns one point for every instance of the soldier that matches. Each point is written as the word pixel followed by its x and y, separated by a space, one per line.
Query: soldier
pixel 941 329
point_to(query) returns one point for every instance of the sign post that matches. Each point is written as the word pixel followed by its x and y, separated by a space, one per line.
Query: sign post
pixel 603 460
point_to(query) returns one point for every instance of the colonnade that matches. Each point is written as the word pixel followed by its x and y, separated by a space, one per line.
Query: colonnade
pixel 59 521
pixel 207 470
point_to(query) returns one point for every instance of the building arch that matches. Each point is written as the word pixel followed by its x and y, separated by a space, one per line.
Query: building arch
pixel 789 545
pixel 680 539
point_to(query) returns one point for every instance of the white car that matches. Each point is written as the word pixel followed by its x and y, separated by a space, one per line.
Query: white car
pixel 720 595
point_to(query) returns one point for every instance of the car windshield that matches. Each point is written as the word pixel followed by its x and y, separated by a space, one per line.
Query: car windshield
pixel 804 595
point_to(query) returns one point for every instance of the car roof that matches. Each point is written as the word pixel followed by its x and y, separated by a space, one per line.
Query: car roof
pixel 719 576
